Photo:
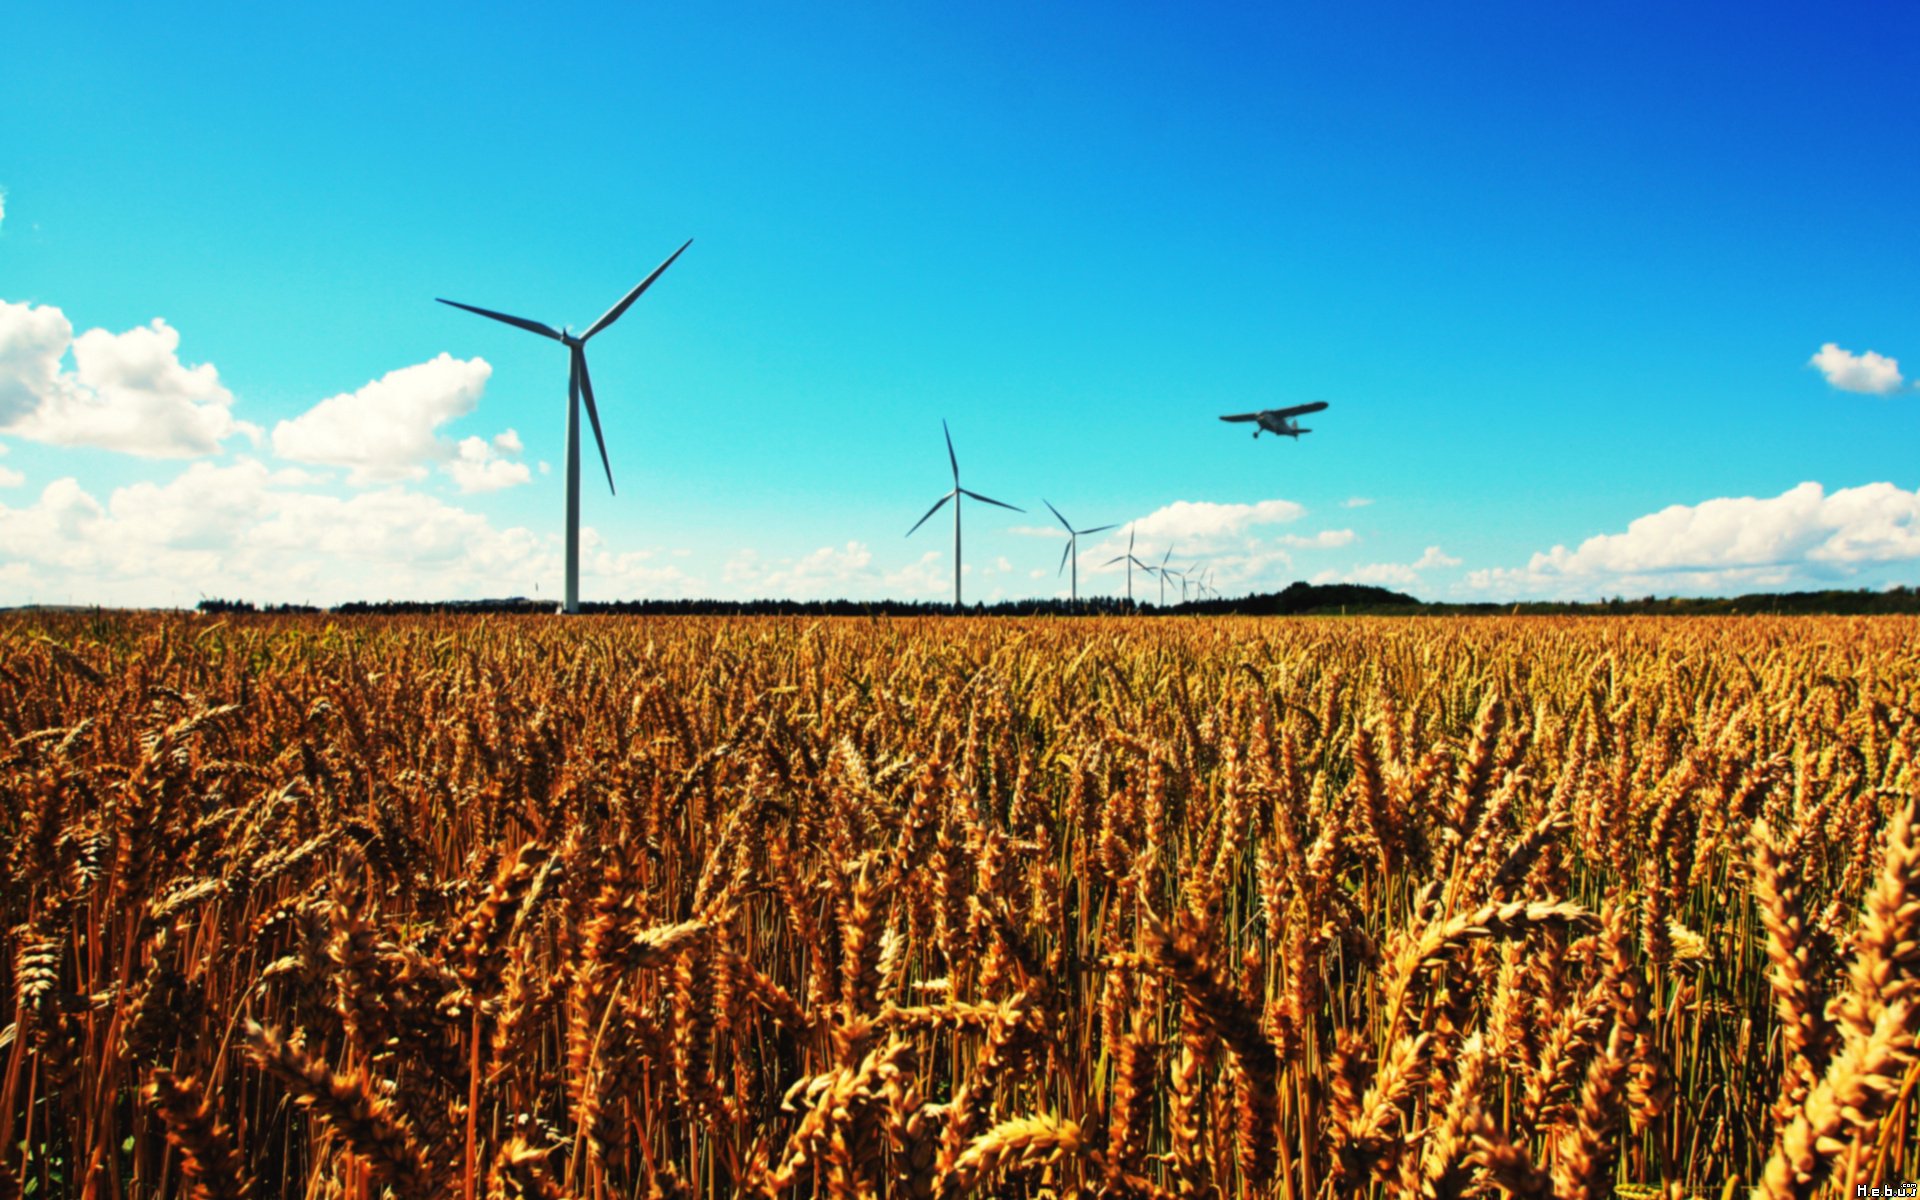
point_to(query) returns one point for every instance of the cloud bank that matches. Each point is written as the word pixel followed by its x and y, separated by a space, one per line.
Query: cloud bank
pixel 1391 574
pixel 127 392
pixel 1804 536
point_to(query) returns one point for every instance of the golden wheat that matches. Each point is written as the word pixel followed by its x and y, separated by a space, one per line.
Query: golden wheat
pixel 466 906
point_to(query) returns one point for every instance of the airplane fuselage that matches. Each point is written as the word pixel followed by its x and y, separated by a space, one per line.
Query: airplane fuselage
pixel 1279 425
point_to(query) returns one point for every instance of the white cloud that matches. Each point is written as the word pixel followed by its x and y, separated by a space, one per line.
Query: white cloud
pixel 3 204
pixel 244 530
pixel 1867 372
pixel 1326 539
pixel 386 431
pixel 826 573
pixel 1355 502
pixel 1802 535
pixel 929 575
pixel 127 392
pixel 743 567
pixel 507 442
pixel 1204 521
pixel 240 530
pixel 11 478
pixel 633 573
pixel 1378 574
pixel 476 467
pixel 1391 574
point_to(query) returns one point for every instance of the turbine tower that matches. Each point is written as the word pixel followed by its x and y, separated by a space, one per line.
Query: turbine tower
pixel 1073 546
pixel 1131 562
pixel 955 496
pixel 579 385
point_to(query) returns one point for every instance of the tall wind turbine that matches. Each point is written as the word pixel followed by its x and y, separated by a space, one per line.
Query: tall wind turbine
pixel 1131 562
pixel 578 385
pixel 954 496
pixel 1073 546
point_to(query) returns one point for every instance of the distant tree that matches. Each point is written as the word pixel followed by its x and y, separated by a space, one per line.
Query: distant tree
pixel 208 605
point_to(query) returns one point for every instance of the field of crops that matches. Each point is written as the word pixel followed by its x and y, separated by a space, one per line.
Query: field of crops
pixel 753 907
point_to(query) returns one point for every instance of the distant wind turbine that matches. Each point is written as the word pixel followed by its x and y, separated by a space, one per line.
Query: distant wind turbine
pixel 1131 562
pixel 1073 546
pixel 1163 570
pixel 578 385
pixel 954 496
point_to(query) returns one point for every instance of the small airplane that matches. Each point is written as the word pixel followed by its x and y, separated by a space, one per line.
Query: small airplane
pixel 1275 420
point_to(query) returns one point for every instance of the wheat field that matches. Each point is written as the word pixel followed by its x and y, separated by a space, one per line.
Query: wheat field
pixel 704 907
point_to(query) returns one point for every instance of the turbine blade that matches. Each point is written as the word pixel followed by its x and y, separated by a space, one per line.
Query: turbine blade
pixel 950 455
pixel 593 414
pixel 1056 513
pixel 1066 552
pixel 613 314
pixel 1112 561
pixel 521 322
pixel 930 512
pixel 1096 529
pixel 989 500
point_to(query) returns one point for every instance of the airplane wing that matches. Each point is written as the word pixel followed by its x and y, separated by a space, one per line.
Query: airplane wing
pixel 1300 409
pixel 1242 417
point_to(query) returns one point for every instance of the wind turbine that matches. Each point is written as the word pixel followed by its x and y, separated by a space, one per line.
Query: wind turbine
pixel 1163 570
pixel 954 496
pixel 1185 574
pixel 578 385
pixel 1131 562
pixel 1073 546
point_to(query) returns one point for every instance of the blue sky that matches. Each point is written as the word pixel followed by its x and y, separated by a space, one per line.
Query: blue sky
pixel 1565 275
